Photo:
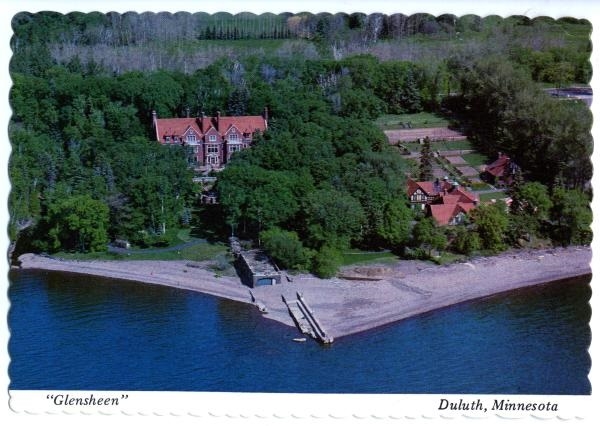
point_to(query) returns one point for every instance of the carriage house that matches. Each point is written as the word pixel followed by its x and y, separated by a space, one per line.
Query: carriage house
pixel 501 172
pixel 211 141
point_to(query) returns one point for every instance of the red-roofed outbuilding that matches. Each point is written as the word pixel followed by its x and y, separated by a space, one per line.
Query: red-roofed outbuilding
pixel 501 171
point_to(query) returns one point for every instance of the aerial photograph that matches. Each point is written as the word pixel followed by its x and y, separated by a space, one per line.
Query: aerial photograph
pixel 306 203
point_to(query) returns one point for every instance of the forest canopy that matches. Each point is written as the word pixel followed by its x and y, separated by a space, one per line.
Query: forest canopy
pixel 85 168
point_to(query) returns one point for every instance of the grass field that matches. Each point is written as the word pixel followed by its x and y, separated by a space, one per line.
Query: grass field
pixel 492 195
pixel 474 159
pixel 419 120
pixel 198 252
pixel 441 146
pixel 357 256
pixel 451 145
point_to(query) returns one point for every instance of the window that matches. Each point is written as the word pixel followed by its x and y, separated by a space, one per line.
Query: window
pixel 233 137
pixel 191 137
pixel 234 148
pixel 419 196
pixel 212 149
pixel 212 138
pixel 167 139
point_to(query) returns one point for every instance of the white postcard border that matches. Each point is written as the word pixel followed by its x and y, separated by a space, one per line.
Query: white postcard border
pixel 254 408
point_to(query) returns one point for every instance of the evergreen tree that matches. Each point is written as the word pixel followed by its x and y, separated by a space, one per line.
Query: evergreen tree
pixel 426 161
pixel 410 96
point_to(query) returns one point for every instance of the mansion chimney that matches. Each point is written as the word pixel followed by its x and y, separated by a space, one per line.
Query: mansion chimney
pixel 218 119
pixel 155 125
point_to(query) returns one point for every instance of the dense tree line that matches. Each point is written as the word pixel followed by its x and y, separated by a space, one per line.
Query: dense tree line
pixel 85 169
pixel 133 28
pixel 330 184
pixel 183 41
pixel 82 141
pixel 79 134
pixel 505 111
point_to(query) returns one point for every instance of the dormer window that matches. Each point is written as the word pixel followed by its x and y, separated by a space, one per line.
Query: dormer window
pixel 191 137
pixel 167 139
pixel 233 137
pixel 212 138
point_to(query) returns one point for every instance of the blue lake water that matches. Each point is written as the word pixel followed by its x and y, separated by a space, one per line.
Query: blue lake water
pixel 84 333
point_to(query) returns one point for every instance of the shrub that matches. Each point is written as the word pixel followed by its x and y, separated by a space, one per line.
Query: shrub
pixel 466 242
pixel 326 262
pixel 285 248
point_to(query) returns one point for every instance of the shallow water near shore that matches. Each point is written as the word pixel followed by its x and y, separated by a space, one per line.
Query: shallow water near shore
pixel 78 332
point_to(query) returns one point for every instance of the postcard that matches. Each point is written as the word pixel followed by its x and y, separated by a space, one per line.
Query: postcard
pixel 294 212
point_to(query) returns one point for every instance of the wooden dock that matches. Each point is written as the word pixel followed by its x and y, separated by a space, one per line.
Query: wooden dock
pixel 305 319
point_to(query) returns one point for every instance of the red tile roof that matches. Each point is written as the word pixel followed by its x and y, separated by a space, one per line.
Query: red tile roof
pixel 175 127
pixel 450 200
pixel 427 187
pixel 179 126
pixel 244 124
pixel 444 213
pixel 498 167
pixel 464 195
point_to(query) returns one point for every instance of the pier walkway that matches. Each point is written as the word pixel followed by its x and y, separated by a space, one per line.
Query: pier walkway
pixel 305 319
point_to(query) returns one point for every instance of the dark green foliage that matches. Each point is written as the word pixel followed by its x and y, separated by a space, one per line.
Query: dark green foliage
pixel 81 136
pixel 530 209
pixel 465 241
pixel 332 218
pixel 323 171
pixel 572 217
pixel 400 87
pixel 427 236
pixel 394 228
pixel 505 111
pixel 286 249
pixel 326 262
pixel 491 222
pixel 426 161
pixel 78 223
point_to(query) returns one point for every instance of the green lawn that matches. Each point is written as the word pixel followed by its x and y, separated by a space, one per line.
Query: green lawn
pixel 439 146
pixel 492 195
pixel 198 252
pixel 448 258
pixel 357 256
pixel 478 186
pixel 475 159
pixel 451 145
pixel 419 120
pixel 412 146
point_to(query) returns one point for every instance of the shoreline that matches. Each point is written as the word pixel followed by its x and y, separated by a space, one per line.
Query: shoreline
pixel 343 307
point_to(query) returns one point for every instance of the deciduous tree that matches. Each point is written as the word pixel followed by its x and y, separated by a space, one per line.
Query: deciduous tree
pixel 491 223
pixel 78 223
